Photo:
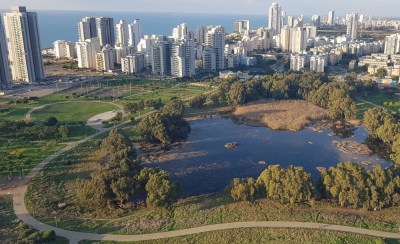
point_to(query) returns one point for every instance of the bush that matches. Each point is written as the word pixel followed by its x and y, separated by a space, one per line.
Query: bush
pixel 48 235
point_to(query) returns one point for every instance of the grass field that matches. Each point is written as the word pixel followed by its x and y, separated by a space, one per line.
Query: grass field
pixel 73 112
pixel 386 100
pixel 33 153
pixel 264 235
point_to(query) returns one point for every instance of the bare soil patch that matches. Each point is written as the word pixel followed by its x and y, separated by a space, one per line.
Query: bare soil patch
pixel 293 115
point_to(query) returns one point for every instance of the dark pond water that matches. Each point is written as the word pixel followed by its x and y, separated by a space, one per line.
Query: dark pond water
pixel 204 165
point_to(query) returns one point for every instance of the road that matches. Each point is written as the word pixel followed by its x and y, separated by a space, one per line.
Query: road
pixel 74 237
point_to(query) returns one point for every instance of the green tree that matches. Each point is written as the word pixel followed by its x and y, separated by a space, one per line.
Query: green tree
pixel 64 131
pixel 388 131
pixel 243 189
pixel 341 108
pixel 51 121
pixel 381 73
pixel 375 118
pixel 122 188
pixel 161 192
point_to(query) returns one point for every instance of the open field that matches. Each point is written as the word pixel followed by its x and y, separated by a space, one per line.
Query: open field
pixel 262 235
pixel 291 115
pixel 21 157
pixel 386 100
pixel 73 111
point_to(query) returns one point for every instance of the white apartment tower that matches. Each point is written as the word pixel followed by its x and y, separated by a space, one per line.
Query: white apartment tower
pixel 286 36
pixel 274 18
pixel 105 59
pixel 136 32
pixel 331 18
pixel 133 64
pixel 215 39
pixel 200 34
pixel 209 59
pixel 317 64
pixel 23 44
pixel 298 40
pixel 297 62
pixel 86 52
pixel 180 32
pixel 241 26
pixel 183 61
pixel 5 75
pixel 161 58
pixel 64 49
pixel 121 33
pixel 87 28
pixel 105 31
pixel 392 44
pixel 352 25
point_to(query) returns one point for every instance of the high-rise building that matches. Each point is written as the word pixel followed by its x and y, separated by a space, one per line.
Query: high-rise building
pixel 86 52
pixel 200 34
pixel 5 75
pixel 183 59
pixel 331 18
pixel 297 62
pixel 136 32
pixel 105 59
pixel 87 28
pixel 215 38
pixel 180 32
pixel 275 18
pixel 298 40
pixel 392 44
pixel 23 43
pixel 316 20
pixel 241 26
pixel 352 25
pixel 105 31
pixel 64 49
pixel 286 35
pixel 133 64
pixel 121 34
pixel 161 58
pixel 290 21
pixel 317 64
pixel 209 59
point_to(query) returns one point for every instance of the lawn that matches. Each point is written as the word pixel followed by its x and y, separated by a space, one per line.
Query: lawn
pixel 73 111
pixel 10 227
pixel 264 235
pixel 24 156
pixel 386 100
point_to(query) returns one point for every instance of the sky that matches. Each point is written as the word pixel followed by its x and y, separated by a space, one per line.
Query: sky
pixel 385 8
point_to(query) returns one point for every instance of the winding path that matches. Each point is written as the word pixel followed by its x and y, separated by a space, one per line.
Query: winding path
pixel 23 214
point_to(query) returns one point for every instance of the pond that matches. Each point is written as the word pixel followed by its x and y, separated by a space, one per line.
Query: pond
pixel 203 165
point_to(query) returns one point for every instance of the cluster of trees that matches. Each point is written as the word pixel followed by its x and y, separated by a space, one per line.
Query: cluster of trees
pixel 120 176
pixel 384 131
pixel 29 130
pixel 291 185
pixel 198 101
pixel 133 107
pixel 26 234
pixel 313 87
pixel 351 185
pixel 165 126
pixel 347 184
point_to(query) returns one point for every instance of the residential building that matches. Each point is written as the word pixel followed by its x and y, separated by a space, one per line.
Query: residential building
pixel 136 32
pixel 5 75
pixel 105 59
pixel 87 28
pixel 23 44
pixel 392 44
pixel 352 26
pixel 121 34
pixel 215 39
pixel 180 32
pixel 133 64
pixel 317 63
pixel 241 27
pixel 316 20
pixel 331 18
pixel 275 18
pixel 297 62
pixel 290 21
pixel 200 35
pixel 105 31
pixel 86 52
pixel 161 58
pixel 183 59
pixel 209 59
pixel 298 40
pixel 64 49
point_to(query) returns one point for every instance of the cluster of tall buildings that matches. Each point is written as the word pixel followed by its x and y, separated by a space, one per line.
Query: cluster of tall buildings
pixel 20 52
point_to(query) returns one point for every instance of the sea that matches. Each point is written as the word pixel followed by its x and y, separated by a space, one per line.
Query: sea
pixel 62 25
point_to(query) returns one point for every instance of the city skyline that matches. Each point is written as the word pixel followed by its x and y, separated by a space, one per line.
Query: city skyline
pixel 254 7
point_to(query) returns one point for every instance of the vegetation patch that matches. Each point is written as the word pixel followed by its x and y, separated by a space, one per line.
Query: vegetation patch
pixel 291 115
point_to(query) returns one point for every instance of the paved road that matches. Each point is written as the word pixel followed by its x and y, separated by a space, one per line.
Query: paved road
pixel 23 214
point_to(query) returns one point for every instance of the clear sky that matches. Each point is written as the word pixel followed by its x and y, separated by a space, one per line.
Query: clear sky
pixel 387 8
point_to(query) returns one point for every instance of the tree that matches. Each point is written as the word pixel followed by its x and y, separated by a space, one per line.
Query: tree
pixel 341 108
pixel 92 193
pixel 388 131
pixel 375 118
pixel 122 188
pixel 161 192
pixel 243 189
pixel 64 131
pixel 197 102
pixel 381 73
pixel 51 121
pixel 396 150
